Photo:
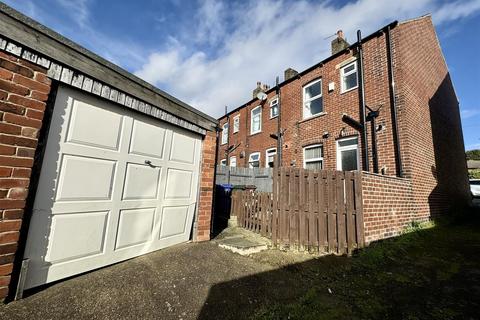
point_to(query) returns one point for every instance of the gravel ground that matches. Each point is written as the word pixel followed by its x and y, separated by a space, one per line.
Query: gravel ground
pixel 173 283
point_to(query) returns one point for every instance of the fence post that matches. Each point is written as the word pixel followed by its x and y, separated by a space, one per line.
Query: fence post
pixel 359 208
pixel 274 228
pixel 341 230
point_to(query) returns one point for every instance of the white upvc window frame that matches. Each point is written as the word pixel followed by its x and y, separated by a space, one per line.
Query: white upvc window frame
pixel 233 161
pixel 223 162
pixel 346 148
pixel 260 120
pixel 236 123
pixel 267 155
pixel 224 133
pixel 271 108
pixel 250 159
pixel 305 161
pixel 305 100
pixel 343 75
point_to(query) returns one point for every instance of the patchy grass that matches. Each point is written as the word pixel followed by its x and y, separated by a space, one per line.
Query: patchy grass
pixel 431 273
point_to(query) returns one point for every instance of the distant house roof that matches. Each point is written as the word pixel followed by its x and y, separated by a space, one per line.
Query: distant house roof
pixel 473 164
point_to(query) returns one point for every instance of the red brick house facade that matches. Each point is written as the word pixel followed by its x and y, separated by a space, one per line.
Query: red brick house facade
pixel 405 77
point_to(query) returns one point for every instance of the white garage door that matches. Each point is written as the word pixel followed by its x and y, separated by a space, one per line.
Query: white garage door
pixel 114 185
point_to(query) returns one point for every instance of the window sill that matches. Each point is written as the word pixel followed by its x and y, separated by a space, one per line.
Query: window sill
pixel 351 89
pixel 255 133
pixel 273 117
pixel 321 114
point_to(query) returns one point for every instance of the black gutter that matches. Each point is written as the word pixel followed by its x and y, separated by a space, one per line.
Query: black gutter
pixel 319 64
pixel 361 100
pixel 393 104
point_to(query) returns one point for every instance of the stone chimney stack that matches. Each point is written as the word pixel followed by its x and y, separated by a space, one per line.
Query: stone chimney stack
pixel 260 88
pixel 257 89
pixel 289 73
pixel 339 43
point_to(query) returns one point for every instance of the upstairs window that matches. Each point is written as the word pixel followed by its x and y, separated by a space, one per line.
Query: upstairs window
pixel 254 160
pixel 274 108
pixel 347 154
pixel 236 124
pixel 256 120
pixel 270 157
pixel 313 157
pixel 348 77
pixel 225 133
pixel 312 99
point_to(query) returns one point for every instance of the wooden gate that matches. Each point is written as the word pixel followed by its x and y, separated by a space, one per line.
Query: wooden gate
pixel 309 210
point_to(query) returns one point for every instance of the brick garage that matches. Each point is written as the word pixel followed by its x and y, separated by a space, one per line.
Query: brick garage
pixel 34 69
pixel 426 177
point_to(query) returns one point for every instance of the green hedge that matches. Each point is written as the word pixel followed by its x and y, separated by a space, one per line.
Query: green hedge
pixel 474 173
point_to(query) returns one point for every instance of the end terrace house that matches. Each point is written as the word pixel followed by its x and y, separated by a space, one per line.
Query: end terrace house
pixel 96 165
pixel 385 105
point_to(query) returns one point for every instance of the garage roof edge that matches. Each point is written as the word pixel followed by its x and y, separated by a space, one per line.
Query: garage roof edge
pixel 25 31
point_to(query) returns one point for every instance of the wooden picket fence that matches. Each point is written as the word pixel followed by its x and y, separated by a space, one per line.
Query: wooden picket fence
pixel 309 210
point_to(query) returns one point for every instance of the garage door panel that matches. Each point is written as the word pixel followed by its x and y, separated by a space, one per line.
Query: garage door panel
pixel 75 236
pixel 135 227
pixel 141 182
pixel 98 201
pixel 83 178
pixel 179 184
pixel 80 206
pixel 174 221
pixel 182 148
pixel 87 125
pixel 147 139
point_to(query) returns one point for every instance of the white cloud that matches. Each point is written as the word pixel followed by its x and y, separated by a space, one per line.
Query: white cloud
pixel 211 20
pixel 78 10
pixel 262 39
pixel 469 113
pixel 456 10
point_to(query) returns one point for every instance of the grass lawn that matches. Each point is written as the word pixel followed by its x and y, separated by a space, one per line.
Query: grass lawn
pixel 425 274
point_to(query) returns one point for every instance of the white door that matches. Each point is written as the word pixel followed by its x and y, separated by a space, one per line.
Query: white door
pixel 114 185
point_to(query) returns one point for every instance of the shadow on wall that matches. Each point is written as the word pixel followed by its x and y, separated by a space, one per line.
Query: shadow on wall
pixel 450 169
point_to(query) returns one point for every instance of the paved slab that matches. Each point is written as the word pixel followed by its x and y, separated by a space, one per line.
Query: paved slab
pixel 241 241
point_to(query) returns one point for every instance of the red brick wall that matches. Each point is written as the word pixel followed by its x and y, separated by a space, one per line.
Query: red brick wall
pixel 24 89
pixel 300 132
pixel 206 187
pixel 429 120
pixel 388 205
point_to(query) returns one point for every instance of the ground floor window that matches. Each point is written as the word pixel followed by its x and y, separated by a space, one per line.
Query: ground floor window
pixel 270 157
pixel 233 161
pixel 223 162
pixel 347 154
pixel 313 157
pixel 254 160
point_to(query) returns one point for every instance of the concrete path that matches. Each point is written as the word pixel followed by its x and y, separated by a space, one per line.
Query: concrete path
pixel 189 281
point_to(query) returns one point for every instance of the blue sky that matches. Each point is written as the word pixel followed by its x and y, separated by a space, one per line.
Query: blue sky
pixel 211 53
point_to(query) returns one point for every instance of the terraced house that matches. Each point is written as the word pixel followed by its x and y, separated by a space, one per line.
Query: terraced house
pixel 384 105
